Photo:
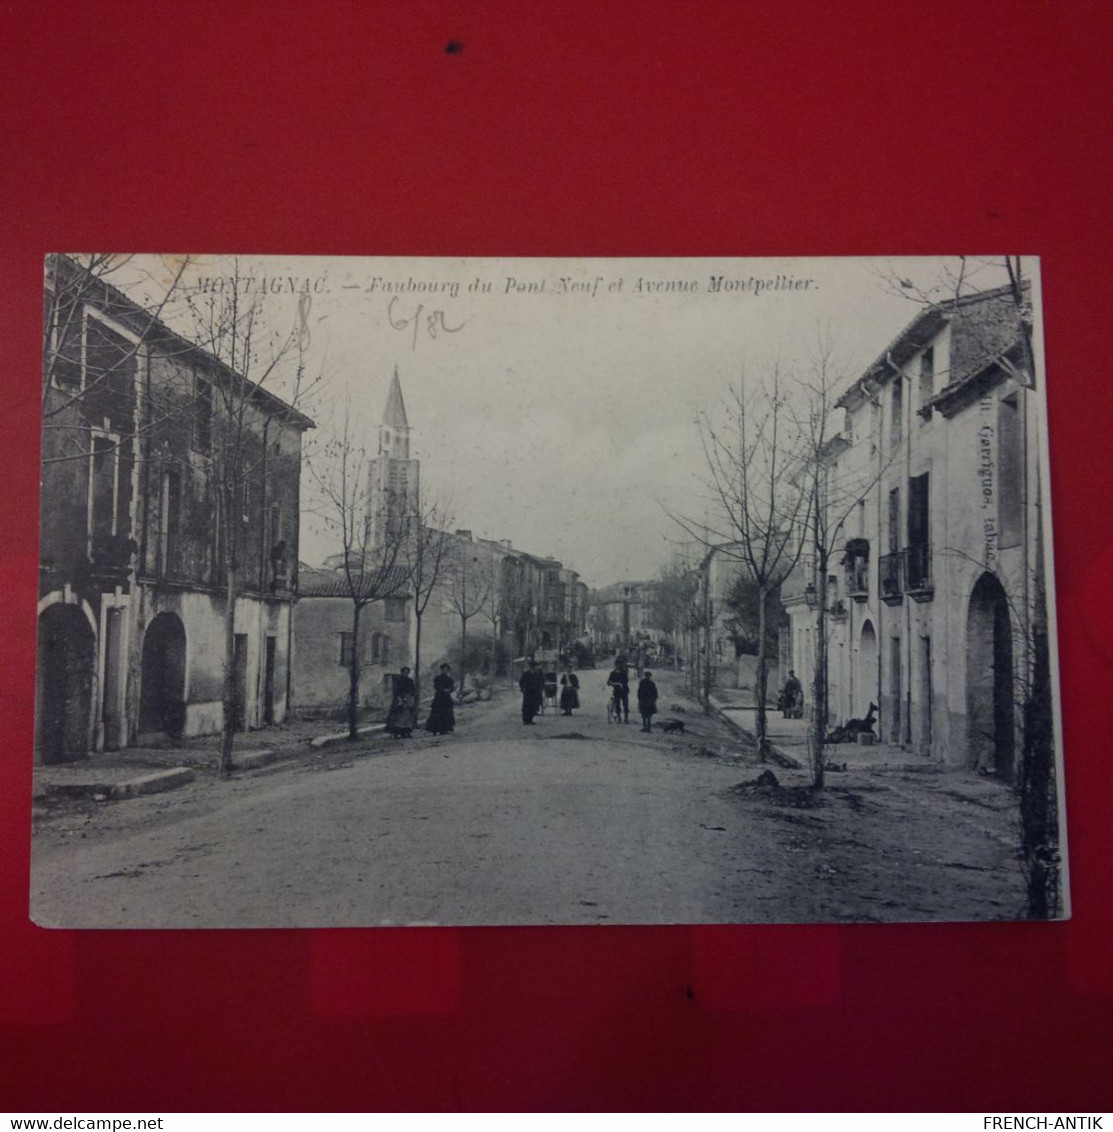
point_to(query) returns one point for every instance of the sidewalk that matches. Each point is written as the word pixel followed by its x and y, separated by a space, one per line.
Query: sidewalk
pixel 134 771
pixel 789 740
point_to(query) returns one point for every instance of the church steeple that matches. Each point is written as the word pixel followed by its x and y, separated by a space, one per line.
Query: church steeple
pixel 394 432
pixel 393 476
pixel 395 412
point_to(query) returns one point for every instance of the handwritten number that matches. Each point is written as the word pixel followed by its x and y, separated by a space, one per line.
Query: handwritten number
pixel 434 322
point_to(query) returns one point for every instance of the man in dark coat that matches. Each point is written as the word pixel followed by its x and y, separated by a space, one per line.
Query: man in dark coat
pixel 532 684
pixel 793 697
pixel 647 700
pixel 619 684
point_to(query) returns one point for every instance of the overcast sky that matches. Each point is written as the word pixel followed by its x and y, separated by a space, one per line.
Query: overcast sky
pixel 564 419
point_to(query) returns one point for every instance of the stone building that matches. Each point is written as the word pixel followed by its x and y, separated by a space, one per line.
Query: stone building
pixel 503 602
pixel 937 590
pixel 139 522
pixel 324 640
pixel 621 617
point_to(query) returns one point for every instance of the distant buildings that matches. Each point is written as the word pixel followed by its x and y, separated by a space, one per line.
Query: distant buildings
pixel 150 490
pixel 502 604
pixel 621 616
pixel 936 595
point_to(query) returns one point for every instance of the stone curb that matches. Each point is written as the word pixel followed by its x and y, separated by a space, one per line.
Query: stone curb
pixel 775 755
pixel 342 737
pixel 251 760
pixel 152 783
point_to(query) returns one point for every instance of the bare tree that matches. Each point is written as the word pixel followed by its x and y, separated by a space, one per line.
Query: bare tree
pixel 753 449
pixel 91 364
pixel 675 602
pixel 468 589
pixel 494 605
pixel 831 497
pixel 834 488
pixel 254 357
pixel 384 547
pixel 426 557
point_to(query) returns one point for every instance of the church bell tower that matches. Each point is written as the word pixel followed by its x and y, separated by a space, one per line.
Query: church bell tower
pixel 393 476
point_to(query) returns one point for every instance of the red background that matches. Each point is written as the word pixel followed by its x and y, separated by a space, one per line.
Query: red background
pixel 570 129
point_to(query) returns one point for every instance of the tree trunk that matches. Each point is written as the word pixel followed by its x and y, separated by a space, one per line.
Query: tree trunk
pixel 230 698
pixel 463 649
pixel 417 660
pixel 818 718
pixel 353 676
pixel 761 678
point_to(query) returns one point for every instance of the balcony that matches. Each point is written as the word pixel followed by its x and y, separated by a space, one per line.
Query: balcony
pixel 857 562
pixel 917 573
pixel 110 562
pixel 889 573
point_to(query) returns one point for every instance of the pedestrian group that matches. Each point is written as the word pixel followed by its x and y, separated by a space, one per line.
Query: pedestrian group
pixel 401 720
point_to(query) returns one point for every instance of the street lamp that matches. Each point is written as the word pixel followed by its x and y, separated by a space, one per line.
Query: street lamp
pixel 810 596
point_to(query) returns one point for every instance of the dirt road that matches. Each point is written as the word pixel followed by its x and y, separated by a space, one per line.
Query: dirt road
pixel 573 821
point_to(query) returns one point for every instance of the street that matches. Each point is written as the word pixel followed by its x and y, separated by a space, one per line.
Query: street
pixel 573 821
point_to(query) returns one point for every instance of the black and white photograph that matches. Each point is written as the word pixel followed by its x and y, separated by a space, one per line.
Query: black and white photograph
pixel 442 591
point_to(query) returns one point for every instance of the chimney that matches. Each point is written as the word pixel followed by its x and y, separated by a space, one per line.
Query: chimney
pixel 464 535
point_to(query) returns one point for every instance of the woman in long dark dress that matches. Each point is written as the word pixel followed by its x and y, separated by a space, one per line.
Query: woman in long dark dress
pixel 569 692
pixel 402 717
pixel 442 719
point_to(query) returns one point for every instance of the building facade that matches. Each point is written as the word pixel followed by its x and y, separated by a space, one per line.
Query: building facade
pixel 141 519
pixel 324 639
pixel 936 590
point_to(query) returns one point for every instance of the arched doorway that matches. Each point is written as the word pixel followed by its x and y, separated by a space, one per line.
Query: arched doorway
pixel 162 687
pixel 990 726
pixel 866 682
pixel 64 688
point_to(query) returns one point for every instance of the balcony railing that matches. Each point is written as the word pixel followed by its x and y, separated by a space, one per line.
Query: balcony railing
pixel 917 572
pixel 890 580
pixel 857 562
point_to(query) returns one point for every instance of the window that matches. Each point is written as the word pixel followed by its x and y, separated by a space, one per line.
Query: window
pixel 110 365
pixel 927 382
pixel 102 490
pixel 67 344
pixel 894 520
pixel 278 546
pixel 918 510
pixel 896 413
pixel 380 649
pixel 202 416
pixel 394 609
pixel 346 649
pixel 169 511
pixel 918 558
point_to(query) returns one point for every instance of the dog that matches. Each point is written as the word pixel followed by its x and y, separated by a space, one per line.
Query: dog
pixel 672 726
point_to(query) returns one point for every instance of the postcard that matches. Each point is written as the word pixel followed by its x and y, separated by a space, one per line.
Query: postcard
pixel 537 591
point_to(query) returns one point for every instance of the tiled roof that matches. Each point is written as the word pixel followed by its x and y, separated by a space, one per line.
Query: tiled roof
pixel 314 582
